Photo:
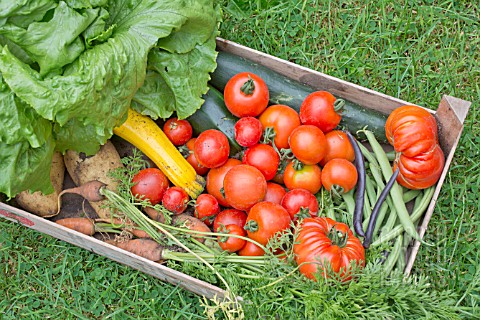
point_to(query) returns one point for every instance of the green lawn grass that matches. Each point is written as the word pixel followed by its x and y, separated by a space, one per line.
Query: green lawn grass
pixel 413 50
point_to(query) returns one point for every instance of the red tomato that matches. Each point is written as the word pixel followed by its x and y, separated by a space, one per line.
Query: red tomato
pixel 319 109
pixel 413 132
pixel 206 208
pixel 265 219
pixel 231 244
pixel 248 131
pixel 199 169
pixel 211 148
pixel 264 158
pixel 421 171
pixel 215 177
pixel 283 120
pixel 308 144
pixel 246 95
pixel 250 249
pixel 300 203
pixel 340 174
pixel 307 177
pixel 322 240
pixel 150 184
pixel 175 199
pixel 275 192
pixel 178 131
pixel 230 216
pixel 244 185
pixel 338 146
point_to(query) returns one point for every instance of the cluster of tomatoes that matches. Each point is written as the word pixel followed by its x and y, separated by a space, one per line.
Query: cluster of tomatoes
pixel 287 157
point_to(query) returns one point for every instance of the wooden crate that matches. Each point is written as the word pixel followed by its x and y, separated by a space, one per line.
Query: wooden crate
pixel 450 115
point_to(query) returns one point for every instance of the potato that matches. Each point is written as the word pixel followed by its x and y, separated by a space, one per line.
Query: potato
pixel 40 204
pixel 83 169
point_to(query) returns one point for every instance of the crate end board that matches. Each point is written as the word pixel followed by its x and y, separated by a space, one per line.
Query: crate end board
pixel 451 114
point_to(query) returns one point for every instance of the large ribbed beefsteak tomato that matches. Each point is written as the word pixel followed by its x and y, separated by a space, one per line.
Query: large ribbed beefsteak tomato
pixel 321 241
pixel 413 133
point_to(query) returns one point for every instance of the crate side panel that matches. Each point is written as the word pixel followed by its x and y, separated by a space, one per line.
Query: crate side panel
pixel 365 97
pixel 99 247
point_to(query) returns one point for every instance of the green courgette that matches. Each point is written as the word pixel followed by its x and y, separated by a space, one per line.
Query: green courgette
pixel 213 114
pixel 284 90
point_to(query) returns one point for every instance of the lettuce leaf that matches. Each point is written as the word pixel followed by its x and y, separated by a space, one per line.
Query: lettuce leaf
pixel 94 92
pixel 181 78
pixel 48 47
pixel 23 12
pixel 25 168
pixel 23 122
pixel 72 96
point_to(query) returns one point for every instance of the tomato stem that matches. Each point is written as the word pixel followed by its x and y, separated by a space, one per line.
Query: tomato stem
pixel 248 87
pixel 337 237
pixel 338 105
pixel 304 212
pixel 297 165
pixel 337 190
pixel 185 151
pixel 251 226
pixel 286 154
pixel 269 135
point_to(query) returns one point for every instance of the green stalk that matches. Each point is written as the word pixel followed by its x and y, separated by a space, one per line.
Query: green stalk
pixel 106 228
pixel 141 220
pixel 350 202
pixel 213 258
pixel 196 232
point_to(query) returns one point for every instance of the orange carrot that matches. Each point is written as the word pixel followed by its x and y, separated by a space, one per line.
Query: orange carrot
pixel 82 225
pixel 191 223
pixel 139 233
pixel 88 226
pixel 146 248
pixel 154 214
pixel 90 191
pixel 182 220
pixel 127 225
pixel 119 222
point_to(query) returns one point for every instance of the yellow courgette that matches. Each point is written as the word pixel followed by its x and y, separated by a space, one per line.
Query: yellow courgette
pixel 146 135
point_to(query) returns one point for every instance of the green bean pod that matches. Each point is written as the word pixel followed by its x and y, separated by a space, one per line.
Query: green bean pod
pixel 393 255
pixel 416 214
pixel 376 210
pixel 396 191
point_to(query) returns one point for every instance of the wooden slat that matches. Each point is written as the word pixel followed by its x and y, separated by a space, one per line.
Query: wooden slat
pixel 344 89
pixel 451 114
pixel 99 247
